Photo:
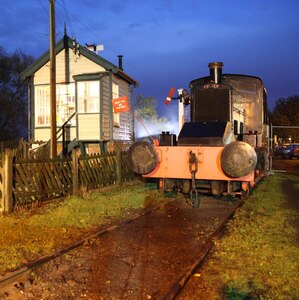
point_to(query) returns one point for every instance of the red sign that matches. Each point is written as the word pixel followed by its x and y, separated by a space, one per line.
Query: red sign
pixel 121 104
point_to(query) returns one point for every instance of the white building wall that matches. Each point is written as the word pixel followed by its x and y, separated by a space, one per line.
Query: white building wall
pixel 77 65
pixel 88 127
pixel 88 124
pixel 44 134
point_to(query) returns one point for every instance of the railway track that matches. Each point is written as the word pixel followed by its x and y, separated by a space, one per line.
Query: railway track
pixel 179 284
pixel 129 266
pixel 17 280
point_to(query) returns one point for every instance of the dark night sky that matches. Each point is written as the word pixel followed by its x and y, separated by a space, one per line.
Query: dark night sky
pixel 168 43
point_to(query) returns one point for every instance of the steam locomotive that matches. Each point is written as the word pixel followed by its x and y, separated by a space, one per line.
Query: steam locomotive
pixel 223 150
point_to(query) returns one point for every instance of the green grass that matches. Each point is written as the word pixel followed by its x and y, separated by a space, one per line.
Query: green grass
pixel 30 234
pixel 259 257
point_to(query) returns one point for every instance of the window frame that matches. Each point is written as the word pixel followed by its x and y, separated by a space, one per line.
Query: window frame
pixel 64 108
pixel 115 95
pixel 88 106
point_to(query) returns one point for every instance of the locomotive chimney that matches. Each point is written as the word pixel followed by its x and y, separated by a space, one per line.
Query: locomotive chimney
pixel 216 71
pixel 120 62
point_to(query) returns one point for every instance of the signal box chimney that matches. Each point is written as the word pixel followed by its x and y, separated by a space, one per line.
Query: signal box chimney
pixel 120 62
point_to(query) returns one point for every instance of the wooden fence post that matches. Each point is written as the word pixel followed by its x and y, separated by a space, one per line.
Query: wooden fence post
pixel 118 167
pixel 75 169
pixel 7 182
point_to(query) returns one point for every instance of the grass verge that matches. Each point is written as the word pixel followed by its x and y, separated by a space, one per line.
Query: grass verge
pixel 258 258
pixel 28 235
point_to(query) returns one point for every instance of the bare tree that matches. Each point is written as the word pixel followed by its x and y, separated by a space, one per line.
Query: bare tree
pixel 13 95
pixel 286 113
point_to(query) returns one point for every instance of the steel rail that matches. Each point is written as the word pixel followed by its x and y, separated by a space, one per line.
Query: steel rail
pixel 174 290
pixel 19 275
pixel 18 279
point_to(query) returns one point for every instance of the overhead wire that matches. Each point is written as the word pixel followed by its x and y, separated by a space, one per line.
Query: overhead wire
pixel 67 12
pixel 76 18
pixel 68 19
pixel 48 14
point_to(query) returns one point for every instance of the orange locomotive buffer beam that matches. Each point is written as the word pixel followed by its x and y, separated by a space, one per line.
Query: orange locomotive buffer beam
pixel 173 162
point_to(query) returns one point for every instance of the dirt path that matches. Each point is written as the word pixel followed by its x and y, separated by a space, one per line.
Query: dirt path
pixel 135 262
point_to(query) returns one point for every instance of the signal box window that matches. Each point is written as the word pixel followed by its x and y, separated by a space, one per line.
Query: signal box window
pixel 88 96
pixel 115 94
pixel 65 104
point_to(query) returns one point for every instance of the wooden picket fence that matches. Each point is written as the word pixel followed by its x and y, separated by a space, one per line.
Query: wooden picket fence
pixel 96 171
pixel 35 180
pixel 27 181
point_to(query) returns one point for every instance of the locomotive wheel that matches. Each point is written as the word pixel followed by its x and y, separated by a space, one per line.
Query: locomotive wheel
pixel 238 159
pixel 142 157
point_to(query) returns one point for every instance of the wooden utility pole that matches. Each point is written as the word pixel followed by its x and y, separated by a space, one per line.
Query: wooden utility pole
pixel 53 145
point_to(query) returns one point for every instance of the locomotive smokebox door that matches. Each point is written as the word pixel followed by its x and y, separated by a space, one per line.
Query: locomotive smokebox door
pixel 142 157
pixel 238 159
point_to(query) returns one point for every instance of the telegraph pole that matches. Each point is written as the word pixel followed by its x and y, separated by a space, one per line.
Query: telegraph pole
pixel 53 146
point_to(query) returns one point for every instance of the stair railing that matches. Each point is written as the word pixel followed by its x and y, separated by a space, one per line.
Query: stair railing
pixel 60 132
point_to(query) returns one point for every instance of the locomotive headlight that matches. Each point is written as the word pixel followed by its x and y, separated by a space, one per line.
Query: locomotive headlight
pixel 238 159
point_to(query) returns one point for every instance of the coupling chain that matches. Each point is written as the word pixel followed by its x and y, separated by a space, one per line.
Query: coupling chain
pixel 193 167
